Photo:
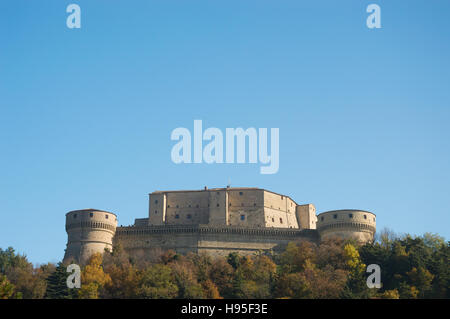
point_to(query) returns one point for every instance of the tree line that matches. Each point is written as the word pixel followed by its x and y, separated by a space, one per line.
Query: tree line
pixel 411 267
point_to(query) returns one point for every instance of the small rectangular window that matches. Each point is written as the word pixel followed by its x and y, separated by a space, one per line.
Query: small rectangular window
pixel 242 217
pixel 241 193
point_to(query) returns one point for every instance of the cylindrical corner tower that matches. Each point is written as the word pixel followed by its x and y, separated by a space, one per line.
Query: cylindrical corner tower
pixel 347 223
pixel 89 231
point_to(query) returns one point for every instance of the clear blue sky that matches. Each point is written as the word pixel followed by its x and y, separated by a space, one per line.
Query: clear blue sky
pixel 86 115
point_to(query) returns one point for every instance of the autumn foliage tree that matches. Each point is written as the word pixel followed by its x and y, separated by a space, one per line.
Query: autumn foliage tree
pixel 411 267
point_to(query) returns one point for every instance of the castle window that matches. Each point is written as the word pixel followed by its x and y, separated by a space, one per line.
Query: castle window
pixel 322 218
pixel 106 216
pixel 281 220
pixel 335 216
pixel 254 204
pixel 177 216
pixel 156 201
pixel 156 212
pixel 241 193
pixel 75 216
pixel 91 214
pixel 273 220
pixel 282 197
pixel 365 216
pixel 217 204
pixel 189 216
pixel 230 204
pixel 350 215
pixel 242 217
pixel 168 206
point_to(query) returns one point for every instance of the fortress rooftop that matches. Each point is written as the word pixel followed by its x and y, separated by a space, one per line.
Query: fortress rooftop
pixel 89 210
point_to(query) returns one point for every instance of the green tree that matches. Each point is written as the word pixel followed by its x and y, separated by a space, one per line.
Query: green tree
pixel 57 284
pixel 6 288
pixel 157 282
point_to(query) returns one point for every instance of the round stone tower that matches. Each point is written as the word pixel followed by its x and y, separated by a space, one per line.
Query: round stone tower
pixel 347 223
pixel 89 231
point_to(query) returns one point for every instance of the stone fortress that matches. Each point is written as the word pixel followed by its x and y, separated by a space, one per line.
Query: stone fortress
pixel 216 221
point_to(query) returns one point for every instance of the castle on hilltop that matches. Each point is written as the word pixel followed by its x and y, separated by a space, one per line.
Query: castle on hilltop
pixel 216 221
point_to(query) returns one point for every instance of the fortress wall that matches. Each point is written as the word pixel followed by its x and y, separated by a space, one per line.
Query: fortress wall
pixel 157 209
pixel 187 216
pixel 245 207
pixel 278 219
pixel 306 216
pixel 187 208
pixel 179 242
pixel 218 207
pixel 246 216
pixel 362 236
pixel 279 211
pixel 141 222
pixel 217 242
pixel 188 199
pixel 223 244
pixel 246 197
